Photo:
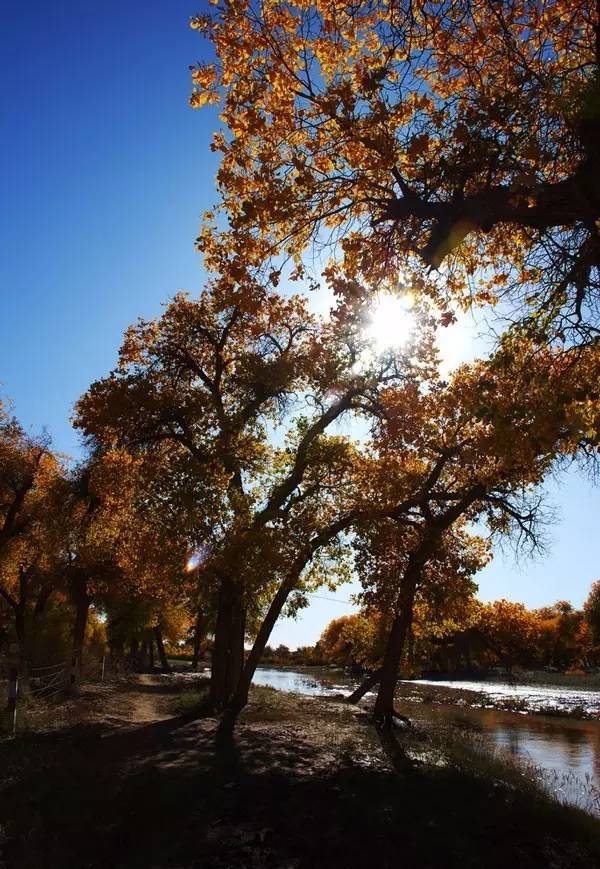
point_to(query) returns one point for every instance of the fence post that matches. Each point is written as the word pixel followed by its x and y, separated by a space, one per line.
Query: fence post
pixel 102 666
pixel 13 693
pixel 75 674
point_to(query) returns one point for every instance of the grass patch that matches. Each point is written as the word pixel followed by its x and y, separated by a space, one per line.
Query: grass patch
pixel 268 704
pixel 192 700
pixel 473 755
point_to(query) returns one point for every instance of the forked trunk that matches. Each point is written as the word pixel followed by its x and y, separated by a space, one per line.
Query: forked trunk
pixel 228 652
pixel 240 697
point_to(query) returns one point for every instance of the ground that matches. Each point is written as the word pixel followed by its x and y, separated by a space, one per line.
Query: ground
pixel 305 782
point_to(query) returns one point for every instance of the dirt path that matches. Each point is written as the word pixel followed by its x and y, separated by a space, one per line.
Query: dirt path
pixel 120 704
pixel 138 700
pixel 146 701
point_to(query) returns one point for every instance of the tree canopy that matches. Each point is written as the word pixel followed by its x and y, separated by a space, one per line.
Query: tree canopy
pixel 460 135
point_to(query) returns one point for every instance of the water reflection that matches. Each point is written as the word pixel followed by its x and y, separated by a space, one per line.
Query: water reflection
pixel 290 681
pixel 561 745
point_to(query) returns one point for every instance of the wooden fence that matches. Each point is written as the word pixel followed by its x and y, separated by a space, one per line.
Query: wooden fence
pixel 45 683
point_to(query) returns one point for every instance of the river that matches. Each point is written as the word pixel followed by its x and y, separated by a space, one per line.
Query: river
pixel 566 749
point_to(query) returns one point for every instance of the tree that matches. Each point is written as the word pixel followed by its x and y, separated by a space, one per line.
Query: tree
pixel 511 629
pixel 475 448
pixel 447 454
pixel 354 640
pixel 59 530
pixel 558 634
pixel 192 392
pixel 417 134
pixel 194 397
pixel 591 609
pixel 443 587
pixel 100 513
pixel 31 528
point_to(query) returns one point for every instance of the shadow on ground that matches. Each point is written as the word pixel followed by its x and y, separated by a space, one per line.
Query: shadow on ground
pixel 175 794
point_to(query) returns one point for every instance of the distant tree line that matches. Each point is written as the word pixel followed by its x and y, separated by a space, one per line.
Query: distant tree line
pixel 501 634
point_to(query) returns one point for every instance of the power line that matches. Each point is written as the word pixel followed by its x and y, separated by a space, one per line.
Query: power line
pixel 332 599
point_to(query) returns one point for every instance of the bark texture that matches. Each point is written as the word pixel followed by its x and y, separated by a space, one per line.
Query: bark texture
pixel 228 652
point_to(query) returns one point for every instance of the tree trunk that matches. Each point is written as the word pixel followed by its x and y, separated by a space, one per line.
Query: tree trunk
pixel 116 649
pixel 82 602
pixel 42 599
pixel 366 685
pixel 410 654
pixel 228 652
pixel 468 658
pixel 240 697
pixel 144 654
pixel 116 644
pixel 136 653
pixel 151 652
pixel 384 704
pixel 198 637
pixel 164 664
pixel 23 644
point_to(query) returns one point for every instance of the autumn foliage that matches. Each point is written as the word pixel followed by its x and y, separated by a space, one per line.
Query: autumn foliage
pixel 244 450
pixel 415 135
pixel 477 638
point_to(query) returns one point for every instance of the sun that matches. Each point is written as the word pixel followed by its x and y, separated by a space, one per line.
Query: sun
pixel 391 321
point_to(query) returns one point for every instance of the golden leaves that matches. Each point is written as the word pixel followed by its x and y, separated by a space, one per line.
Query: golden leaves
pixel 205 85
pixel 204 76
pixel 326 103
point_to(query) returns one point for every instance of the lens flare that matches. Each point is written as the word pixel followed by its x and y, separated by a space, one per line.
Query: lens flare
pixel 197 558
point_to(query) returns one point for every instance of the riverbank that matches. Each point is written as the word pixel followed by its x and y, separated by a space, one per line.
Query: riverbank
pixel 305 782
pixel 568 697
pixel 525 698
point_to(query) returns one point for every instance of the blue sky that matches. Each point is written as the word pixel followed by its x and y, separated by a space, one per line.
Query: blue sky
pixel 105 174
